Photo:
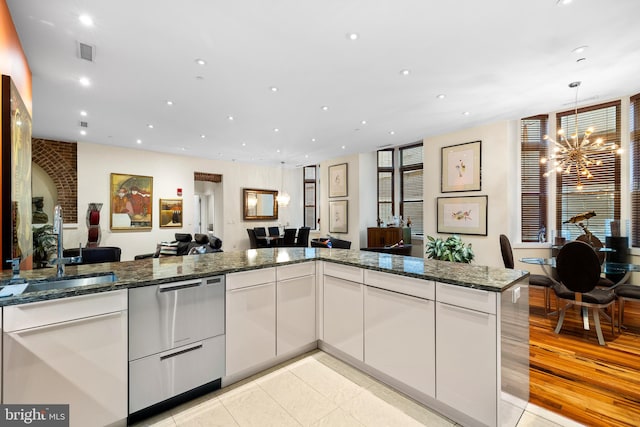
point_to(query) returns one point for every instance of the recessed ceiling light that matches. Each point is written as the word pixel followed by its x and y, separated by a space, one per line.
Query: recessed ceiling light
pixel 230 118
pixel 182 149
pixel 441 96
pixel 138 141
pixel 306 156
pixel 278 150
pixel 563 2
pixel 273 89
pixel 343 147
pixel 324 108
pixel 466 113
pixel 364 122
pixel 83 113
pixel 84 81
pixel 201 61
pixel 276 130
pixel 405 72
pixel 580 49
pixel 313 140
pixel 169 102
pixel 150 126
pixel 244 144
pixel 203 136
pixel 83 132
pixel 353 36
pixel 86 20
pixel 391 132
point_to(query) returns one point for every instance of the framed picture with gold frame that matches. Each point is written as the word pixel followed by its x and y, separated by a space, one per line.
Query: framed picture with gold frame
pixel 170 213
pixel 131 202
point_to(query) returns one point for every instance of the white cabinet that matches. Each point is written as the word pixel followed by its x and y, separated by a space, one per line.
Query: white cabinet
pixel 69 351
pixel 343 315
pixel 296 307
pixel 251 319
pixel 399 337
pixel 466 351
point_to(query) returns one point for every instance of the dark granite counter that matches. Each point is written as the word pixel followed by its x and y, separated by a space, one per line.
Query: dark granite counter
pixel 169 269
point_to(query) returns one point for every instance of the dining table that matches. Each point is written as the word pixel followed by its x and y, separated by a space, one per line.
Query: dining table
pixel 622 269
pixel 269 240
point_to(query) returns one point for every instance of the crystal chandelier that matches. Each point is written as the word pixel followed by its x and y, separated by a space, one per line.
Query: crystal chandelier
pixel 574 154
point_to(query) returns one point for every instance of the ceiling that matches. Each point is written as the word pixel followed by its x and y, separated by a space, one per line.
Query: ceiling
pixel 493 60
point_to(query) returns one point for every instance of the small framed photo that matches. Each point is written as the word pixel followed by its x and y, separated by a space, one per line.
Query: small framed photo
pixel 131 207
pixel 462 215
pixel 338 216
pixel 170 213
pixel 461 165
pixel 338 180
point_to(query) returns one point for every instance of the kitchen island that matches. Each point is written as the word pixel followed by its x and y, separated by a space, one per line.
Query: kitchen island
pixel 453 336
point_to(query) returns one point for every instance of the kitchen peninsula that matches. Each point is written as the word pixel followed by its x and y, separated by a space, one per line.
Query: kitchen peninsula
pixel 452 336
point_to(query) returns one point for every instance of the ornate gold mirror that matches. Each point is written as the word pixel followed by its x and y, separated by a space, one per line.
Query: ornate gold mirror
pixel 260 204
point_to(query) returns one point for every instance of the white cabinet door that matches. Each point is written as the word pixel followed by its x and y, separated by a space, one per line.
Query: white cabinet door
pixel 251 326
pixel 399 337
pixel 342 317
pixel 296 319
pixel 466 374
pixel 80 362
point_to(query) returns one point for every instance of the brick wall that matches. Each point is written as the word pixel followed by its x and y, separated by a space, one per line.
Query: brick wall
pixel 60 161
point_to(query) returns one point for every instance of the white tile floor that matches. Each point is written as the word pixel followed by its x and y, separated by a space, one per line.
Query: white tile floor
pixel 317 390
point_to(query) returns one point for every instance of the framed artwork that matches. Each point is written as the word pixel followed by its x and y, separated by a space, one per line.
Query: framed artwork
pixel 338 216
pixel 462 215
pixel 131 197
pixel 461 165
pixel 338 180
pixel 170 213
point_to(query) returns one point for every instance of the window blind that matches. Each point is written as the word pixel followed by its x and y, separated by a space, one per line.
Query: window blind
pixel 310 196
pixel 534 191
pixel 634 126
pixel 385 185
pixel 600 193
pixel 411 186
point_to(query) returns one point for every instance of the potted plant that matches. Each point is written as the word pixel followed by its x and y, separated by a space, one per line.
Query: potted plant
pixel 44 243
pixel 451 249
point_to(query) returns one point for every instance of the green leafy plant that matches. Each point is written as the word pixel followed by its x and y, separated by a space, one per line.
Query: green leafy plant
pixel 44 244
pixel 451 249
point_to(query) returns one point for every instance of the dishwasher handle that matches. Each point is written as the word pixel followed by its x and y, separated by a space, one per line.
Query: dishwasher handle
pixel 169 287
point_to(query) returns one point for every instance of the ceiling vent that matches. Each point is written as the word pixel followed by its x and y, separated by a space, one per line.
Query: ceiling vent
pixel 84 124
pixel 86 51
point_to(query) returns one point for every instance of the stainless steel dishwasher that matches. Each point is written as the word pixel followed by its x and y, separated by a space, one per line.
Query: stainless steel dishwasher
pixel 176 342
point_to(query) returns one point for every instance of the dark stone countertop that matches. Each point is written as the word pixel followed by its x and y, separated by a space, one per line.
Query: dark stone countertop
pixel 153 271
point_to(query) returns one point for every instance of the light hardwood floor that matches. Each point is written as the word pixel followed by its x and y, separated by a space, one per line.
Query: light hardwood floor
pixel 572 375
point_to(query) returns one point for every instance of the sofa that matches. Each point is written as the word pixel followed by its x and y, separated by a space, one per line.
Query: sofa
pixel 184 245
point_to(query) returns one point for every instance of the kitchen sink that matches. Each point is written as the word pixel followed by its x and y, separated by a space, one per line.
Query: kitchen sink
pixel 69 282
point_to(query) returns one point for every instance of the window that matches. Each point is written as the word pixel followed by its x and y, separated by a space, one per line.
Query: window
pixel 411 187
pixel 533 184
pixel 310 176
pixel 634 126
pixel 600 193
pixel 385 185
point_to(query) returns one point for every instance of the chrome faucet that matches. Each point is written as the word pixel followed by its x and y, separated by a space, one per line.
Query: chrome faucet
pixel 60 261
pixel 15 269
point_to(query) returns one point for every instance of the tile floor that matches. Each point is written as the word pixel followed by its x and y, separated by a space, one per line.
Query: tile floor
pixel 317 389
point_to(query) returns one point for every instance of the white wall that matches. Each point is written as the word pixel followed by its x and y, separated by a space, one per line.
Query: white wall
pixel 96 163
pixel 497 173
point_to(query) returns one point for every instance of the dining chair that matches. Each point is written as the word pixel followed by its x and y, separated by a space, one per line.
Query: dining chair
pixel 253 242
pixel 289 238
pixel 579 271
pixel 260 231
pixel 624 293
pixel 538 280
pixel 303 236
pixel 274 231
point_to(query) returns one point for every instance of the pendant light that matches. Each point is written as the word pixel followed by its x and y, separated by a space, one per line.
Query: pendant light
pixel 283 197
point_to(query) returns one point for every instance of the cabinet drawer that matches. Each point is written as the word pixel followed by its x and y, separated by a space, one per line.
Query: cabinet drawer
pixel 295 270
pixel 32 315
pixel 244 279
pixel 470 298
pixel 405 285
pixel 346 272
pixel 161 376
